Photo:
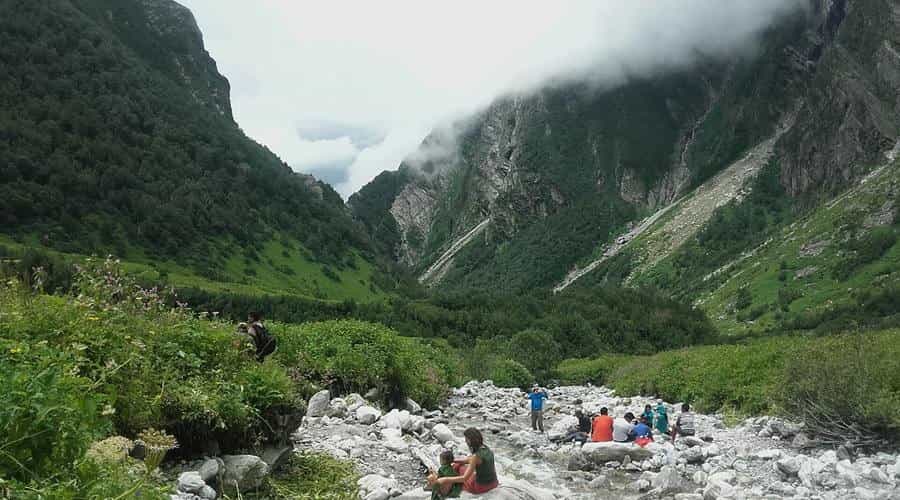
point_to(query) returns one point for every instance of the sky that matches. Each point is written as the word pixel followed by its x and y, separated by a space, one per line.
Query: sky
pixel 347 89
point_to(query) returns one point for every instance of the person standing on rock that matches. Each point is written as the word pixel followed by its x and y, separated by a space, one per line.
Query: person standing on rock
pixel 477 472
pixel 602 428
pixel 264 342
pixel 662 418
pixel 537 397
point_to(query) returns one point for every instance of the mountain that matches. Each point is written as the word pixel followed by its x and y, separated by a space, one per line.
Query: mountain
pixel 575 185
pixel 117 137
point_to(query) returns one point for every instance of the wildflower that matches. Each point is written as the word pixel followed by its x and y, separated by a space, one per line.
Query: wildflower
pixel 108 410
pixel 110 450
pixel 157 444
pixel 15 350
pixel 93 318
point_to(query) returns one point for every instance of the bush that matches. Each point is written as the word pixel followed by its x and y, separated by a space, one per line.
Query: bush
pixel 857 398
pixel 585 371
pixel 311 476
pixel 509 373
pixel 357 356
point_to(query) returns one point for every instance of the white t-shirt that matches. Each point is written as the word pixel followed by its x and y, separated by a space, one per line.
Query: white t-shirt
pixel 621 429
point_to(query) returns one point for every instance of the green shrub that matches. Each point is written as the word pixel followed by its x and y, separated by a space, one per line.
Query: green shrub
pixel 509 373
pixel 593 371
pixel 357 356
pixel 311 476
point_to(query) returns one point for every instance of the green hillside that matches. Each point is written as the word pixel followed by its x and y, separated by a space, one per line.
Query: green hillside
pixel 116 137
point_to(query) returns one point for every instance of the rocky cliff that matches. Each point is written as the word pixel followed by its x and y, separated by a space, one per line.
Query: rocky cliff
pixel 560 172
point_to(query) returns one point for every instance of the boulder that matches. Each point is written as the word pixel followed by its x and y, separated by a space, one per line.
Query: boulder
pixel 562 427
pixel 847 472
pixel 207 493
pixel 668 481
pixel 717 490
pixel 601 453
pixel 692 441
pixel 367 415
pixel 877 475
pixel 442 433
pixel 693 455
pixel 276 456
pixel 688 496
pixel 801 441
pixel 412 407
pixel 211 469
pixel 769 454
pixel 810 468
pixel 337 408
pixel 789 466
pixel 244 472
pixel 396 419
pixel 318 404
pixel 354 401
pixel 373 482
pixel 378 494
pixel 190 482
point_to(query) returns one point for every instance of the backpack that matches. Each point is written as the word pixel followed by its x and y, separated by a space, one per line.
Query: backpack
pixel 264 341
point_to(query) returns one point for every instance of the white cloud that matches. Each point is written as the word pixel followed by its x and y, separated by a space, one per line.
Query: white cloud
pixel 398 68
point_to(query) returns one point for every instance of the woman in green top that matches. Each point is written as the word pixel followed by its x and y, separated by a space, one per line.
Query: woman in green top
pixel 476 473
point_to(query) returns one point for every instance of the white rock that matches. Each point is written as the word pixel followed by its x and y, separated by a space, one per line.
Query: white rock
pixel 207 493
pixel 809 471
pixel 688 496
pixel 877 475
pixel 789 466
pixel 668 481
pixel 718 490
pixel 692 441
pixel 190 482
pixel 367 415
pixel 693 455
pixel 769 454
pixel 318 404
pixel 378 494
pixel 373 482
pixel 354 401
pixel 864 494
pixel 337 408
pixel 413 407
pixel 442 433
pixel 601 453
pixel 244 472
pixel 395 419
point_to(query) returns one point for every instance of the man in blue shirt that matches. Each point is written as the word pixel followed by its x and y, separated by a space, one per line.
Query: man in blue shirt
pixel 537 397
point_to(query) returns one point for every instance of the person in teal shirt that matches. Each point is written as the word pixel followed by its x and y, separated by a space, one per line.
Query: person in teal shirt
pixel 662 418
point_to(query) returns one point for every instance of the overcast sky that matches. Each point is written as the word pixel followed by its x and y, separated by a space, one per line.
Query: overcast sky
pixel 346 89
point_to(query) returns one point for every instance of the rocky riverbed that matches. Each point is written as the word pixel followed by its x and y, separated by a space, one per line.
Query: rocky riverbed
pixel 759 458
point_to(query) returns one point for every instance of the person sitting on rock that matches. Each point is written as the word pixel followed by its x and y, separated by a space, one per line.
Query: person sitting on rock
pixel 476 473
pixel 684 424
pixel 446 470
pixel 648 414
pixel 602 428
pixel 662 418
pixel 623 428
pixel 643 434
pixel 580 433
pixel 537 397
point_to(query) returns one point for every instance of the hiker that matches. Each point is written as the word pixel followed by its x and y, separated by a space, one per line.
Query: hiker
pixel 602 429
pixel 580 433
pixel 263 341
pixel 623 428
pixel 446 470
pixel 643 434
pixel 684 424
pixel 662 419
pixel 648 414
pixel 476 473
pixel 537 397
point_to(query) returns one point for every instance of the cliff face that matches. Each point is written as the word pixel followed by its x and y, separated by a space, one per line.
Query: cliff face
pixel 562 171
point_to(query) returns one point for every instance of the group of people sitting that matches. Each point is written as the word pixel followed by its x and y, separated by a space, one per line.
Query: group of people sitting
pixel 601 427
pixel 474 474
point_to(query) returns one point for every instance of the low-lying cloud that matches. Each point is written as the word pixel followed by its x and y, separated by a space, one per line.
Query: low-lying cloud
pixel 355 86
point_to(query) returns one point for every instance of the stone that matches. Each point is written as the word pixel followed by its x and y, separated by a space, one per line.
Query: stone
pixel 354 401
pixel 789 466
pixel 396 419
pixel 244 472
pixel 640 485
pixel 337 409
pixel 276 456
pixel 782 489
pixel 864 494
pixel 579 462
pixel 693 455
pixel 809 471
pixel 190 482
pixel 562 427
pixel 442 433
pixel 877 475
pixel 367 415
pixel 769 454
pixel 318 404
pixel 692 441
pixel 412 407
pixel 700 477
pixel 373 394
pixel 207 493
pixel 843 453
pixel 373 482
pixel 688 496
pixel 601 453
pixel 668 481
pixel 716 490
pixel 211 469
pixel 378 494
pixel 847 472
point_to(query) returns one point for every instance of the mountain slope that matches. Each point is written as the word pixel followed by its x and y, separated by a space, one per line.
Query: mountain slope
pixel 568 174
pixel 116 136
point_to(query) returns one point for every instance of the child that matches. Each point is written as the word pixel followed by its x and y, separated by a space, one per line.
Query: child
pixel 446 470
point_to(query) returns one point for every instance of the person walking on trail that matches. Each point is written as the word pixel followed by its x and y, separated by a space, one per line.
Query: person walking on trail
pixel 537 397
pixel 662 418
pixel 476 473
pixel 602 428
pixel 684 424
pixel 623 428
pixel 263 341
